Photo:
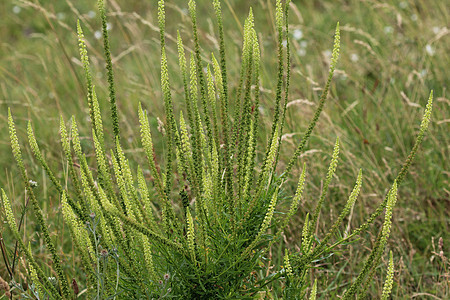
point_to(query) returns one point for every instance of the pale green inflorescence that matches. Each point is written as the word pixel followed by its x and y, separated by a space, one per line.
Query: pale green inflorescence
pixel 212 104
pixel 87 71
pixel 9 213
pixel 129 183
pixel 98 124
pixel 348 206
pixel 243 106
pixel 183 66
pixel 293 208
pixel 148 256
pixel 143 190
pixel 306 237
pixel 264 225
pixel 312 124
pixel 269 214
pixel 201 77
pixel 379 246
pixel 208 195
pixel 387 288
pixel 79 231
pixel 109 68
pixel 298 194
pixel 147 143
pixel 313 291
pixel 190 234
pixel 186 148
pixel 287 265
pixel 35 278
pixel 331 170
pixel 120 178
pixel 161 21
pixel 270 157
pixel 76 139
pixel 70 220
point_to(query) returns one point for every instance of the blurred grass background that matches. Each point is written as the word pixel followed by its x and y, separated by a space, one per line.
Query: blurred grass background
pixel 393 53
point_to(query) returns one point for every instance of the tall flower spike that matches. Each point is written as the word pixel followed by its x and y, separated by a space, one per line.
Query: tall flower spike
pixel 223 92
pixel 171 124
pixel 271 156
pixel 76 139
pixel 147 143
pixel 223 66
pixel 65 140
pixel 265 176
pixel 109 68
pixel 305 236
pixel 254 111
pixel 162 22
pixel 381 242
pixel 190 234
pixel 264 225
pixel 246 114
pixel 296 200
pixel 314 291
pixel 35 278
pixel 212 105
pixel 104 173
pixel 350 202
pixel 145 197
pixel 148 257
pixel 423 129
pixel 98 124
pixel 196 127
pixel 288 72
pixel 183 67
pixel 293 208
pixel 129 181
pixel 208 195
pixel 77 236
pixel 378 248
pixel 323 97
pixel 185 144
pixel 87 71
pixel 201 77
pixel 269 214
pixel 287 264
pixel 331 170
pixel 387 288
pixel 9 213
pixel 186 150
pixel 126 206
pixel 279 24
pixel 239 114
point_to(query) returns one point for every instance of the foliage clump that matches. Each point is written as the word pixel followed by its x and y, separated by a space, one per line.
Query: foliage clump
pixel 202 226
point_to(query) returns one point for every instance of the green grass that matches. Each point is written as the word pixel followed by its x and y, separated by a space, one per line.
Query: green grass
pixel 384 55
